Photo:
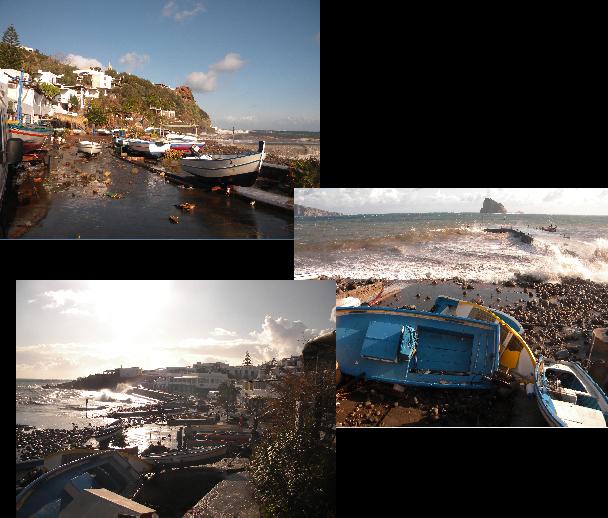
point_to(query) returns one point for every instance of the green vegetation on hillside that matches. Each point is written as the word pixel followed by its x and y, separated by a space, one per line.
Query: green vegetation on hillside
pixel 130 95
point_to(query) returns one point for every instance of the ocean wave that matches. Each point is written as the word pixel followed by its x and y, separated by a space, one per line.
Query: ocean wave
pixel 394 241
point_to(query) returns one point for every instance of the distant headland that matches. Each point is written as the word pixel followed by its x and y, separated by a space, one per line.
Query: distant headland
pixel 302 211
pixel 492 207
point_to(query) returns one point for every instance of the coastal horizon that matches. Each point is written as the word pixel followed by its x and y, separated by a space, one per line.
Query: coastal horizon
pixel 129 399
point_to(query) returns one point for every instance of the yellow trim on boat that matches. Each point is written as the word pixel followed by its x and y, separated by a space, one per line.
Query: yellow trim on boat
pixel 508 359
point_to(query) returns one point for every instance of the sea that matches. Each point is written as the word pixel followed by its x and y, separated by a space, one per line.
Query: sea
pixel 61 408
pixel 447 245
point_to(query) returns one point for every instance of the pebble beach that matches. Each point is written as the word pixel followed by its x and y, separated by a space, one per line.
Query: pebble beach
pixel 558 319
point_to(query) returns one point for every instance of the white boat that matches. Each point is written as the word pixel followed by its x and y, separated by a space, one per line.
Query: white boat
pixel 88 147
pixel 178 137
pixel 238 169
pixel 104 132
pixel 76 131
pixel 108 431
pixel 187 456
pixel 139 146
pixel 567 396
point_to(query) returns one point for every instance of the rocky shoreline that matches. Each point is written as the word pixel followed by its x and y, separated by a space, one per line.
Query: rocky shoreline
pixel 558 319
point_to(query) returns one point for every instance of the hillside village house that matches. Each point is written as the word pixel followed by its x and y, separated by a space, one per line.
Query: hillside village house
pixel 35 105
pixel 99 81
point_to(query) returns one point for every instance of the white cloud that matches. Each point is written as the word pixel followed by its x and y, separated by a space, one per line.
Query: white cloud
pixel 281 337
pixel 207 81
pixel 74 311
pixel 218 331
pixel 171 10
pixel 132 60
pixel 229 63
pixel 201 81
pixel 81 62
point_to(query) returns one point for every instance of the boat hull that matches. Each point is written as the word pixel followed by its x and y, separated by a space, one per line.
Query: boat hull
pixel 89 148
pixel 416 348
pixel 180 458
pixel 576 401
pixel 33 137
pixel 244 172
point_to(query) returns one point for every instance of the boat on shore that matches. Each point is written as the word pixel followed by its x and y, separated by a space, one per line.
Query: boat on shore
pixel 568 396
pixel 515 357
pixel 550 228
pixel 418 348
pixel 89 148
pixel 190 456
pixel 108 431
pixel 238 169
pixel 56 490
pixel 33 136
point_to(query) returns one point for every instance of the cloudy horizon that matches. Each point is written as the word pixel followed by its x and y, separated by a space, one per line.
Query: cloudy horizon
pixel 83 327
pixel 572 201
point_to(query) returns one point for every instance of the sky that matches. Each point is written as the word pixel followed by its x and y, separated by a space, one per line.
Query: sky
pixel 385 201
pixel 67 329
pixel 254 65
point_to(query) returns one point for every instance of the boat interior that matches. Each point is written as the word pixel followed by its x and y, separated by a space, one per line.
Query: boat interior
pixel 416 347
pixel 574 400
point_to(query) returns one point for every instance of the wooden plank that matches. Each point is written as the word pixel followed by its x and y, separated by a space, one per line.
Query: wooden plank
pixel 267 198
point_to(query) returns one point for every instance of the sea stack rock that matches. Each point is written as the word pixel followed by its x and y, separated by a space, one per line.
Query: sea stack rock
pixel 492 207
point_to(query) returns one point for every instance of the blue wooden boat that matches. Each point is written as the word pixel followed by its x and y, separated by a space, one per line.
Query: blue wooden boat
pixel 417 348
pixel 515 357
pixel 567 396
pixel 53 491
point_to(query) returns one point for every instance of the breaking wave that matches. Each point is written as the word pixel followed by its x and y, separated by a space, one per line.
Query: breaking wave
pixel 411 237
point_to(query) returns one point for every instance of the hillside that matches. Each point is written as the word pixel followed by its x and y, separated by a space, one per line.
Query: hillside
pixel 301 211
pixel 130 94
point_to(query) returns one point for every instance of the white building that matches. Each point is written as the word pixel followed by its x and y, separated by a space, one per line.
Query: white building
pixel 244 371
pixel 99 80
pixel 67 92
pixel 48 77
pixel 33 104
pixel 129 372
pixel 191 383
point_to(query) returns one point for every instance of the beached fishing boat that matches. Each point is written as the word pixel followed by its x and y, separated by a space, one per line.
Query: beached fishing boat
pixel 239 169
pixel 54 491
pixel 187 456
pixel 108 431
pixel 515 357
pixel 568 396
pixel 89 148
pixel 139 146
pixel 33 136
pixel 183 142
pixel 416 347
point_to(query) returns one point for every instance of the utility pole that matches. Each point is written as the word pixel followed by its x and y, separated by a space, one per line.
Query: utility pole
pixel 233 135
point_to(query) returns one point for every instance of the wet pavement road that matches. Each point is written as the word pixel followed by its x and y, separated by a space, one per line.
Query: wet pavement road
pixel 76 197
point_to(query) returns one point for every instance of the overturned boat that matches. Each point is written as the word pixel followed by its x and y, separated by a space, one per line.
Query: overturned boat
pixel 567 396
pixel 89 148
pixel 417 348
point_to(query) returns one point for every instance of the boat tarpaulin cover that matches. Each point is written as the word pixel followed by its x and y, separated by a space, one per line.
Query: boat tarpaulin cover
pixel 382 341
pixel 409 341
